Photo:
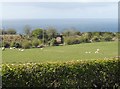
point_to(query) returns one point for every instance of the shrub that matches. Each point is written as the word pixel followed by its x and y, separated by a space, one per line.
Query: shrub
pixel 52 42
pixel 35 42
pixel 108 38
pixel 70 75
pixel 5 44
pixel 72 40
pixel 96 39
pixel 68 41
pixel 11 31
pixel 12 44
pixel 16 44
pixel 26 44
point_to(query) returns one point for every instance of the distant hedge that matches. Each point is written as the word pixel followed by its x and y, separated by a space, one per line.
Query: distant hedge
pixel 96 74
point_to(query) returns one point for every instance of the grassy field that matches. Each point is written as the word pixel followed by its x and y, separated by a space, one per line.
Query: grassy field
pixel 62 53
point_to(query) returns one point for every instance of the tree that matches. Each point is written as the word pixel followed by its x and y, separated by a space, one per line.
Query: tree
pixel 27 30
pixel 11 31
pixel 72 40
pixel 96 39
pixel 5 44
pixel 12 44
pixel 52 42
pixel 71 32
pixel 3 32
pixel 96 34
pixel 51 32
pixel 18 45
pixel 35 42
pixel 26 44
pixel 107 36
pixel 38 33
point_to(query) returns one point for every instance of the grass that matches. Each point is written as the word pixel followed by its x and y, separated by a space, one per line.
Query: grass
pixel 62 53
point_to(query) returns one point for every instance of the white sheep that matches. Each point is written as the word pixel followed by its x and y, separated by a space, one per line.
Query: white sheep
pixel 11 48
pixel 97 51
pixel 3 48
pixel 87 52
pixel 19 49
pixel 22 49
pixel 41 48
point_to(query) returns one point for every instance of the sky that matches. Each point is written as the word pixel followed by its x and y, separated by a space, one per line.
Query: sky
pixel 59 0
pixel 59 10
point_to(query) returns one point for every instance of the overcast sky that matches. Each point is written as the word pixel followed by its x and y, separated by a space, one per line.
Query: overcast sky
pixel 59 0
pixel 58 10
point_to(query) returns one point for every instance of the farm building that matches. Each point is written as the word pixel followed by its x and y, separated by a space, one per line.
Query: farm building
pixel 59 39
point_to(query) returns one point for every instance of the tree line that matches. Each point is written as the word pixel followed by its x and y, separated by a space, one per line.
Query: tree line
pixel 48 37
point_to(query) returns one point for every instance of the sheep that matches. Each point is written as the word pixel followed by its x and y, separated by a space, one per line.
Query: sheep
pixel 97 51
pixel 87 52
pixel 22 49
pixel 11 48
pixel 3 48
pixel 19 49
pixel 41 48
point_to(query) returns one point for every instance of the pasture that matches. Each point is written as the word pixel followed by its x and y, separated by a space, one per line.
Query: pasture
pixel 84 51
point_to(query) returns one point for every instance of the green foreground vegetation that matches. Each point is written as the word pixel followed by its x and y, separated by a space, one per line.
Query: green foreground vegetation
pixel 95 74
pixel 62 53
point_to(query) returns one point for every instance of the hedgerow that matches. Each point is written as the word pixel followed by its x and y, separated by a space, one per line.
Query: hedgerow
pixel 69 75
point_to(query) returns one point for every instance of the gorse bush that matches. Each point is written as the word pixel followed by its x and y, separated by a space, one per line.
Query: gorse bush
pixel 71 75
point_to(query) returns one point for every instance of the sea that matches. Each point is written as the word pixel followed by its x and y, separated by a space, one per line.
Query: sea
pixel 80 24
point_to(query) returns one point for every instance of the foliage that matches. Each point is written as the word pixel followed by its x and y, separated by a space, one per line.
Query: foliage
pixel 26 44
pixel 70 36
pixel 51 32
pixel 52 42
pixel 96 39
pixel 71 40
pixel 12 44
pixel 108 38
pixel 5 44
pixel 70 32
pixel 3 32
pixel 15 44
pixel 18 45
pixel 70 75
pixel 35 42
pixel 38 33
pixel 11 31
pixel 27 30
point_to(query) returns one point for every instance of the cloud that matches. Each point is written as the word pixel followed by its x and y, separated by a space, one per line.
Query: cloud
pixel 59 10
pixel 59 0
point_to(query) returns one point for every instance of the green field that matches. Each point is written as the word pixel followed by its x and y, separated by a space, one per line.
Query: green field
pixel 62 53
